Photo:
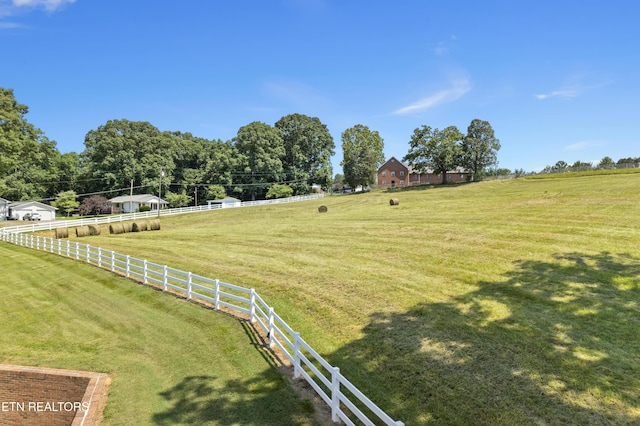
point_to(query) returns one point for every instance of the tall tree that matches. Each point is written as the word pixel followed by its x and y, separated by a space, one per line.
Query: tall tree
pixel 479 147
pixel 259 149
pixel 308 150
pixel 121 151
pixel 438 150
pixel 28 159
pixel 362 155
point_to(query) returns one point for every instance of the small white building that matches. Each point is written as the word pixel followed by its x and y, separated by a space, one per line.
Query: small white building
pixel 132 203
pixel 4 209
pixel 19 208
pixel 225 202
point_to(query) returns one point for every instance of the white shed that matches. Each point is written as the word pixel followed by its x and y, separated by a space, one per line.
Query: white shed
pixel 225 202
pixel 131 203
pixel 19 208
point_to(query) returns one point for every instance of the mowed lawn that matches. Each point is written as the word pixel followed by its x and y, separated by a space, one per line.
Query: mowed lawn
pixel 500 302
pixel 171 362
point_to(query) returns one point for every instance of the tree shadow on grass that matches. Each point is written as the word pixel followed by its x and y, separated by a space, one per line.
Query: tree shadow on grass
pixel 555 342
pixel 263 400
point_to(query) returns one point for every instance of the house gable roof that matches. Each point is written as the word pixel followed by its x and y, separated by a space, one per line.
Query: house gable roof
pixel 23 204
pixel 392 160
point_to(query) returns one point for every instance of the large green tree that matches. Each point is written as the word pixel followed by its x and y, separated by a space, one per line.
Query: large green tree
pixel 308 150
pixel 436 150
pixel 28 159
pixel 362 155
pixel 259 149
pixel 479 147
pixel 122 151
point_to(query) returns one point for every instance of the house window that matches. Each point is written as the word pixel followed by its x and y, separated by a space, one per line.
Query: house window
pixel 393 173
pixel 384 173
pixel 402 173
pixel 401 182
pixel 384 182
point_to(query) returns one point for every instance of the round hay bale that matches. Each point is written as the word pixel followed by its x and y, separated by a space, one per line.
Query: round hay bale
pixel 127 226
pixel 154 225
pixel 82 231
pixel 139 226
pixel 394 202
pixel 94 229
pixel 322 209
pixel 62 232
pixel 116 228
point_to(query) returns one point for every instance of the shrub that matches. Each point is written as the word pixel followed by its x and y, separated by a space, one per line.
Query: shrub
pixel 279 191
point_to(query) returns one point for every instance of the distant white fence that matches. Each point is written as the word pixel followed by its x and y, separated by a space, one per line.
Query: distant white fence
pixel 325 379
pixel 47 226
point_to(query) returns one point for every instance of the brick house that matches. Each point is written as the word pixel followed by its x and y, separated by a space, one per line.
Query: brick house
pixel 394 174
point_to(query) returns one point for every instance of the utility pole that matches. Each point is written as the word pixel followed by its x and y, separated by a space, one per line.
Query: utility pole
pixel 160 190
pixel 131 198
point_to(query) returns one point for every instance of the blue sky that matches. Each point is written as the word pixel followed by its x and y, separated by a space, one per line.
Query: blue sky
pixel 557 80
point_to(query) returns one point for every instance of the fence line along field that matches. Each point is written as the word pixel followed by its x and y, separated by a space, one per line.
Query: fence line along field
pixel 503 302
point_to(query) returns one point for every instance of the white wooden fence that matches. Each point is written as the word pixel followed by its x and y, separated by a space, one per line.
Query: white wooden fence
pixel 352 408
pixel 47 226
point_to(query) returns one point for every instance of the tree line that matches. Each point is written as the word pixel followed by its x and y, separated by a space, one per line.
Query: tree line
pixel 605 163
pixel 289 156
pixel 261 161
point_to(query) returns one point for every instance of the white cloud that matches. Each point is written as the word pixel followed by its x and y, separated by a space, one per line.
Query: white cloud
pixel 9 25
pixel 14 7
pixel 458 89
pixel 564 93
pixel 569 92
pixel 49 5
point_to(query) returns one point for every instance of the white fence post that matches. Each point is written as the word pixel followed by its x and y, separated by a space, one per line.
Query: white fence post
pixel 113 261
pixel 99 257
pixel 217 295
pixel 296 355
pixel 77 250
pixel 128 266
pixel 252 306
pixel 271 328
pixel 335 394
pixel 87 253
pixel 189 285
pixel 165 278
pixel 144 271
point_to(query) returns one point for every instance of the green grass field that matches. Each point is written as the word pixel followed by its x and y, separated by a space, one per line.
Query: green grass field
pixel 171 362
pixel 500 302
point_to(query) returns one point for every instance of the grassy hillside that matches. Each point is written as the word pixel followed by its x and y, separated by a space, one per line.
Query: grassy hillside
pixel 503 302
pixel 170 362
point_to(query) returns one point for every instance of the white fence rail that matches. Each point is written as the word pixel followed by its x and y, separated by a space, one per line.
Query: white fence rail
pixel 353 408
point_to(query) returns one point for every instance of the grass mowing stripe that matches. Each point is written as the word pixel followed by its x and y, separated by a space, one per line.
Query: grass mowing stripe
pixel 171 362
